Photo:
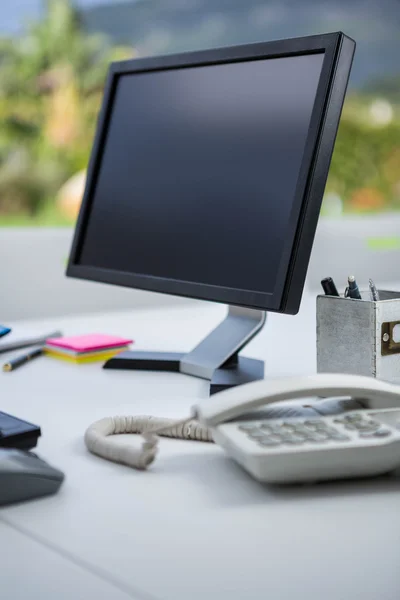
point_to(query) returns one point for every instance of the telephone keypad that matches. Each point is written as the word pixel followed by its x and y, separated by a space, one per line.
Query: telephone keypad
pixel 269 434
pixel 296 433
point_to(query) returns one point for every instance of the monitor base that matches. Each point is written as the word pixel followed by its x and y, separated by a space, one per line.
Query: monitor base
pixel 244 371
pixel 215 359
pixel 146 361
pixel 237 371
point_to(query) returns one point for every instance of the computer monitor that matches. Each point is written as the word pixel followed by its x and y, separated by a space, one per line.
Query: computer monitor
pixel 206 180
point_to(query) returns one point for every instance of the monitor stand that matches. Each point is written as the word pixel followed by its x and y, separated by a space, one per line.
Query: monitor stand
pixel 216 358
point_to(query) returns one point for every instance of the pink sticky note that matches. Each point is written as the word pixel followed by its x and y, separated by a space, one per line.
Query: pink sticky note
pixel 84 343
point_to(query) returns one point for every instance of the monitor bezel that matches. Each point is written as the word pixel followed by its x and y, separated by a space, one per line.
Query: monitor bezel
pixel 338 52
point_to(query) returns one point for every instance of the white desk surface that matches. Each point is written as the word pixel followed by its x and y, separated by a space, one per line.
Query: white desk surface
pixel 29 569
pixel 195 525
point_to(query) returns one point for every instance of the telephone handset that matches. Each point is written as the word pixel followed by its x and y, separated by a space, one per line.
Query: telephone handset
pixel 353 443
pixel 231 403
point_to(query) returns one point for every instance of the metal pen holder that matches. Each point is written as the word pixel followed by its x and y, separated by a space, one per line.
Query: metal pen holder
pixel 360 337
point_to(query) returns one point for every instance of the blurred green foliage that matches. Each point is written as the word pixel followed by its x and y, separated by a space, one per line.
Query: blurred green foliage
pixel 51 83
pixel 365 169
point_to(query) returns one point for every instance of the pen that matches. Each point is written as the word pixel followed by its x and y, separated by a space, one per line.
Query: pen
pixel 373 291
pixel 352 290
pixel 329 287
pixel 25 343
pixel 21 360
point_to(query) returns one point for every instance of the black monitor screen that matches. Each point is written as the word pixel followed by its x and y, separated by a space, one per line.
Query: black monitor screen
pixel 199 170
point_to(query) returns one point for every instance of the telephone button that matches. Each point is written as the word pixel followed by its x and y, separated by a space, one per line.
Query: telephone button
pixel 353 418
pixel 266 428
pixel 293 439
pixel 248 427
pixel 382 433
pixel 339 437
pixel 256 434
pixel 314 423
pixel 317 437
pixel 266 442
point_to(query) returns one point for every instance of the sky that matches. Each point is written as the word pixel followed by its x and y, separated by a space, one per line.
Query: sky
pixel 15 12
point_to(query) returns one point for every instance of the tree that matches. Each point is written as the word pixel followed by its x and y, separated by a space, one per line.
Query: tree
pixel 51 81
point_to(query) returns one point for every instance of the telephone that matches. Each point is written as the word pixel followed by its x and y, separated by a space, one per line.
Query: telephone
pixel 357 435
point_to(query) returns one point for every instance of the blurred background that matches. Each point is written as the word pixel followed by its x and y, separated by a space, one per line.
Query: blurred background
pixel 53 61
pixel 54 56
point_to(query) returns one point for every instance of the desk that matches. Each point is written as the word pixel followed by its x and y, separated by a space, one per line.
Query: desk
pixel 195 525
pixel 30 569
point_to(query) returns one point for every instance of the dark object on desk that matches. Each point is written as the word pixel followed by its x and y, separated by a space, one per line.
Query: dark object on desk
pixel 352 289
pixel 329 287
pixel 25 476
pixel 146 361
pixel 237 371
pixel 16 433
pixel 169 239
pixel 17 362
pixel 26 343
pixel 4 330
